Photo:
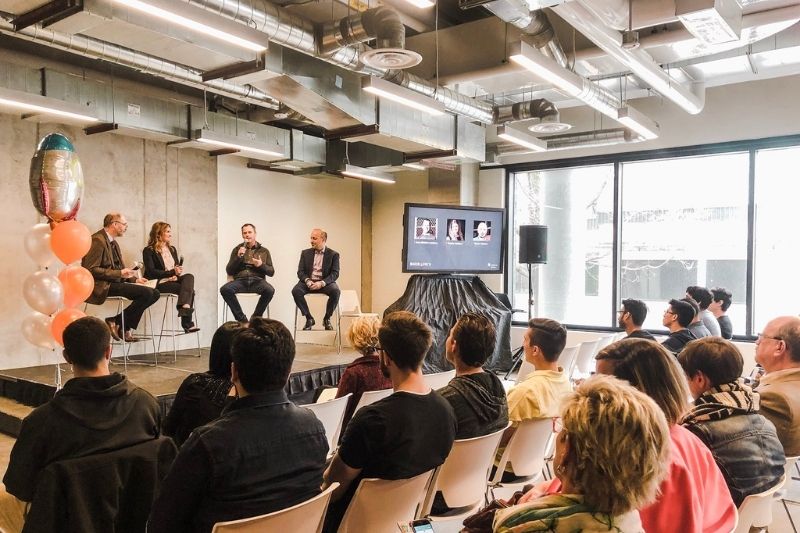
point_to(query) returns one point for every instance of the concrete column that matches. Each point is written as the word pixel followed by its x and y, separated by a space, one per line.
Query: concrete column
pixel 469 183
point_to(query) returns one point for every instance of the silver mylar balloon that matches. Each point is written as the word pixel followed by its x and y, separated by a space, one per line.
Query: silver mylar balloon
pixel 56 178
pixel 36 330
pixel 43 292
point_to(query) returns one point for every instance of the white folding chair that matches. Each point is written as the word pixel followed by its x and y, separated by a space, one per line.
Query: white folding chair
pixel 525 452
pixel 602 342
pixel 756 509
pixel 463 476
pixel 583 360
pixel 308 516
pixel 331 414
pixel 567 359
pixel 791 464
pixel 438 380
pixel 370 397
pixel 524 370
pixel 379 504
pixel 337 339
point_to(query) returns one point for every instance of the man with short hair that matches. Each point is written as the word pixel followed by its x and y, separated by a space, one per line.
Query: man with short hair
pixel 263 454
pixel 676 318
pixel 631 317
pixel 112 278
pixel 401 436
pixel 722 300
pixel 778 351
pixel 696 326
pixel 482 232
pixel 249 265
pixel 477 397
pixel 317 273
pixel 704 297
pixel 95 412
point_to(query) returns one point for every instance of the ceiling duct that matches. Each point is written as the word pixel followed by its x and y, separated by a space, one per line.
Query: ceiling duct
pixel 567 141
pixel 535 26
pixel 543 112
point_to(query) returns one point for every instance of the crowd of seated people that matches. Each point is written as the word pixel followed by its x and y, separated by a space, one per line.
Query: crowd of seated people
pixel 631 453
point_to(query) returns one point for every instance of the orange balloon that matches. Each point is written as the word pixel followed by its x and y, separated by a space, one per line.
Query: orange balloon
pixel 77 283
pixel 64 318
pixel 70 240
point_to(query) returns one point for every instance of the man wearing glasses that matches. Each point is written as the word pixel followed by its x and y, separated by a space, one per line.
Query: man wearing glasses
pixel 676 318
pixel 112 278
pixel 778 351
pixel 631 316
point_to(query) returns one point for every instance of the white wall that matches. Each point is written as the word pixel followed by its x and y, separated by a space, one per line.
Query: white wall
pixel 285 209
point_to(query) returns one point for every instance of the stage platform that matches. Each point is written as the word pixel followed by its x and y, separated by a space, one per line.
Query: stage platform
pixel 22 389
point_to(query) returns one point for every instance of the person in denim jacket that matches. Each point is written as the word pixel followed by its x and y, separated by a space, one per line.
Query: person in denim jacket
pixel 725 417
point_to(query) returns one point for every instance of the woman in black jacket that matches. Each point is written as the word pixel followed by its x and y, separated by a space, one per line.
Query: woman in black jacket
pixel 161 262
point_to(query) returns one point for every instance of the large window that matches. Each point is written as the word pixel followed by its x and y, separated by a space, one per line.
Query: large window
pixel 714 216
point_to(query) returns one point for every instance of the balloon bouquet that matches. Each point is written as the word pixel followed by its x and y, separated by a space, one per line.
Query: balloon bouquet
pixel 56 185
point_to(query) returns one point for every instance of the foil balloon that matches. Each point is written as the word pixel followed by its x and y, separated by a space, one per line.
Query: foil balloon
pixel 56 178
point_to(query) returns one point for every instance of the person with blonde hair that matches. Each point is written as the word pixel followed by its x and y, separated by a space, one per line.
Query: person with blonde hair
pixel 161 262
pixel 612 451
pixel 364 374
pixel 694 497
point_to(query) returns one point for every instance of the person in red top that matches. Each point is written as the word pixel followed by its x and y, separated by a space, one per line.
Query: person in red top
pixel 364 374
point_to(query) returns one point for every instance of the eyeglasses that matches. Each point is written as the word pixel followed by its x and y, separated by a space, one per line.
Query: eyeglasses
pixel 558 424
pixel 124 224
pixel 762 336
pixel 668 312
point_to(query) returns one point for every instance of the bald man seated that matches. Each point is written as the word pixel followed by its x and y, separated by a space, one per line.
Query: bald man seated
pixel 317 273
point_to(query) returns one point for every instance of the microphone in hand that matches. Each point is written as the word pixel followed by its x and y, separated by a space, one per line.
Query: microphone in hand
pixel 180 261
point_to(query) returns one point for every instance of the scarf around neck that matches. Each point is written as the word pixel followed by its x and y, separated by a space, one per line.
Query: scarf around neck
pixel 723 401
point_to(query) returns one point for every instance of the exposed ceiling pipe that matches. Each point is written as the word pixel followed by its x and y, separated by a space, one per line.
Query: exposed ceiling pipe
pixel 97 49
pixel 572 140
pixel 380 23
pixel 539 108
pixel 637 60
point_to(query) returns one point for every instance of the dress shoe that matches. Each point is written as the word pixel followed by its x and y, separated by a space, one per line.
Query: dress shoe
pixel 185 311
pixel 113 327
pixel 309 324
pixel 191 328
pixel 129 337
pixel 327 323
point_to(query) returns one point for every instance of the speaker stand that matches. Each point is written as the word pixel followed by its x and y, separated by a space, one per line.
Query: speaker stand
pixel 519 353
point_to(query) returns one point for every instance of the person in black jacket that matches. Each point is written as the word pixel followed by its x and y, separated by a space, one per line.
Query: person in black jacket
pixel 161 262
pixel 317 272
pixel 249 265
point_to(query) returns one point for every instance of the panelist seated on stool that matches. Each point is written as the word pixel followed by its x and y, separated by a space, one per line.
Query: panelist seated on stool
pixel 111 278
pixel 250 263
pixel 317 273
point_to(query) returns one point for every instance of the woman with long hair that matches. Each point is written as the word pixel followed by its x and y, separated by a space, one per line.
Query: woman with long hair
pixel 161 262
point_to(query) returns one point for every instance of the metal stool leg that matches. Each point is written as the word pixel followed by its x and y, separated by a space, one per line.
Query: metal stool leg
pixel 338 330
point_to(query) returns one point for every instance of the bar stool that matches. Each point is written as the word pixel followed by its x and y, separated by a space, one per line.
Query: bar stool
pixel 170 303
pixel 249 296
pixel 120 306
pixel 337 339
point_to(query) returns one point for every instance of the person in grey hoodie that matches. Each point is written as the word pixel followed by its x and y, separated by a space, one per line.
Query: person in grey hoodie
pixel 477 397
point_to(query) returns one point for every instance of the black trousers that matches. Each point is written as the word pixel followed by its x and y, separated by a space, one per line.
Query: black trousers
pixel 141 297
pixel 331 290
pixel 248 285
pixel 184 288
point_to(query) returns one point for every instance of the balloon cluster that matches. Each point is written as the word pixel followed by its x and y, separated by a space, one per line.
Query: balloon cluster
pixel 56 184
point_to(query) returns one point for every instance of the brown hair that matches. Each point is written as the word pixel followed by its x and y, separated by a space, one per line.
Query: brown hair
pixel 155 242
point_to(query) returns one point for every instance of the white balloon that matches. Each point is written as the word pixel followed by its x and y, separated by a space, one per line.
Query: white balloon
pixel 37 244
pixel 43 292
pixel 36 330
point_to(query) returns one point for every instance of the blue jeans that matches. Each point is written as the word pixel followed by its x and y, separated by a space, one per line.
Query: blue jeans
pixel 250 284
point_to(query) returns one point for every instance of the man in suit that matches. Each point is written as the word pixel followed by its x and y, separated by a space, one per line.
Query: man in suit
pixel 318 271
pixel 778 351
pixel 111 278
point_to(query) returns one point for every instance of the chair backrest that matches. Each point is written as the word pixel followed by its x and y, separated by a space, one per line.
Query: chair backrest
pixel 463 476
pixel 602 342
pixel 438 380
pixel 348 303
pixel 524 369
pixel 526 448
pixel 583 360
pixel 567 359
pixel 756 509
pixel 379 504
pixel 331 414
pixel 372 396
pixel 307 516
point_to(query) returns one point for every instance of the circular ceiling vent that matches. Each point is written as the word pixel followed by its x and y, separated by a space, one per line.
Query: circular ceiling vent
pixel 390 58
pixel 550 127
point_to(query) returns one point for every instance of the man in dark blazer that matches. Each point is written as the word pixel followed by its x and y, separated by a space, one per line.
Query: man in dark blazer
pixel 318 271
pixel 111 278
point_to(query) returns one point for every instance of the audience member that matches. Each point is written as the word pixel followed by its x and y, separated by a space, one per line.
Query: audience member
pixel 95 412
pixel 693 497
pixel 477 397
pixel 398 437
pixel 631 317
pixel 317 273
pixel 250 263
pixel 262 455
pixel 724 416
pixel 778 351
pixel 202 396
pixel 696 326
pixel 719 308
pixel 540 393
pixel 678 315
pixel 605 425
pixel 704 297
pixel 364 374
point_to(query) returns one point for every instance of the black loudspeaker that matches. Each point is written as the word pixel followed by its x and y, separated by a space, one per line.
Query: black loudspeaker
pixel 532 244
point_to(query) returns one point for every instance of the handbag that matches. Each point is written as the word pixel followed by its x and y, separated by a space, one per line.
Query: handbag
pixel 481 522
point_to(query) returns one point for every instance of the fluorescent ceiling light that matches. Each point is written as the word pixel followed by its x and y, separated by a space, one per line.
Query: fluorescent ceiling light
pixel 422 4
pixel 38 104
pixel 174 18
pixel 225 141
pixel 636 121
pixel 354 171
pixel 415 166
pixel 401 95
pixel 521 138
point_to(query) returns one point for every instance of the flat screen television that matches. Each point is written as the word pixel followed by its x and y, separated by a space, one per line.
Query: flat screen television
pixel 451 239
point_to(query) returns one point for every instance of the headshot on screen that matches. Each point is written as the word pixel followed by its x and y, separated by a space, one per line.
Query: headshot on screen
pixel 482 230
pixel 455 230
pixel 425 228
